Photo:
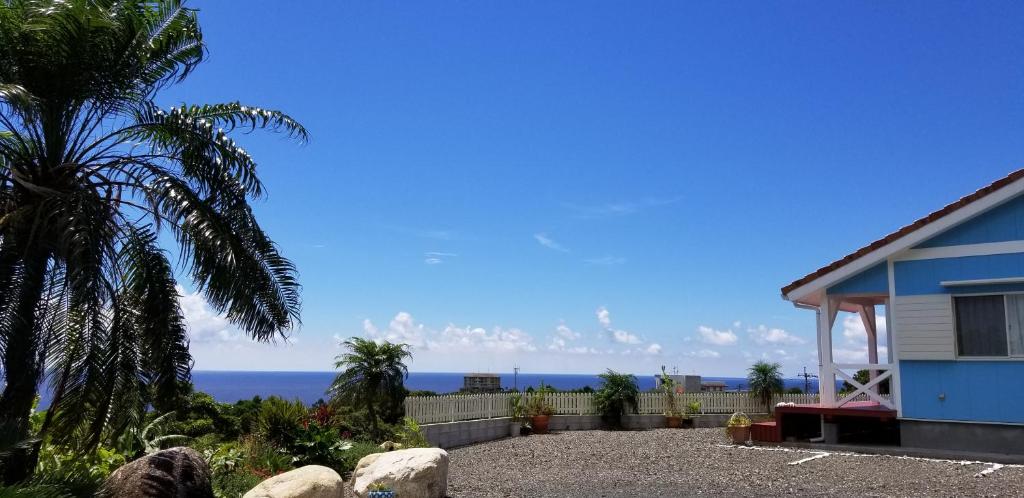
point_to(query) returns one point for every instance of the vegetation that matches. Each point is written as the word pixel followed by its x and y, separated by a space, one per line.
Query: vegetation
pixel 372 379
pixel 516 408
pixel 618 394
pixel 738 419
pixel 668 390
pixel 765 381
pixel 537 404
pixel 92 171
pixel 692 408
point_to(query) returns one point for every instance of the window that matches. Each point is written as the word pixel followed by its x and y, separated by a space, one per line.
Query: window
pixel 990 325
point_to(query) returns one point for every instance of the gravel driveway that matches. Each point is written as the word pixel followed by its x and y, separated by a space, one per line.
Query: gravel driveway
pixel 666 462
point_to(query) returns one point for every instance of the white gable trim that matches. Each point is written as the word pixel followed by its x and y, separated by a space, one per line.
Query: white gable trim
pixel 907 241
pixel 982 249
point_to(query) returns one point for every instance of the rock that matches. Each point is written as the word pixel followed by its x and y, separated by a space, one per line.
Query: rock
pixel 390 446
pixel 419 472
pixel 172 473
pixel 311 481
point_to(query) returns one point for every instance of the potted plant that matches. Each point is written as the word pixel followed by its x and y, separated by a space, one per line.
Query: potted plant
pixel 380 490
pixel 673 416
pixel 517 413
pixel 692 409
pixel 539 410
pixel 738 428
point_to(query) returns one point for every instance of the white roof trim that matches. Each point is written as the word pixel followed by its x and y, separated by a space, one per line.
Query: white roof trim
pixel 982 281
pixel 907 241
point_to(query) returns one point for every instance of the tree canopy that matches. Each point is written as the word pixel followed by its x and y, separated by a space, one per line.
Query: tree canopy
pixel 92 172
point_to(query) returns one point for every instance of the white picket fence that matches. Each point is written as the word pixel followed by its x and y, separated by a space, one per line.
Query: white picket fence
pixel 452 408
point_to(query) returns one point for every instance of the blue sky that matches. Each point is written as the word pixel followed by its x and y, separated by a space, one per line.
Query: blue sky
pixel 570 186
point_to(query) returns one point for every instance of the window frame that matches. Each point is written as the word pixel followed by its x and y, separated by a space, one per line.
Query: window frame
pixel 1006 321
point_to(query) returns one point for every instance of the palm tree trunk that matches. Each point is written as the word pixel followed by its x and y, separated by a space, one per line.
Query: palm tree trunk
pixel 21 366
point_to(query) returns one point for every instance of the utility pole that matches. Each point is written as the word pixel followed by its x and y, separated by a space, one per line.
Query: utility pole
pixel 807 380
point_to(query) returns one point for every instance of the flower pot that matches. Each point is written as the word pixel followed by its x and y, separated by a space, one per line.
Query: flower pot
pixel 540 423
pixel 673 422
pixel 514 429
pixel 687 423
pixel 381 494
pixel 740 434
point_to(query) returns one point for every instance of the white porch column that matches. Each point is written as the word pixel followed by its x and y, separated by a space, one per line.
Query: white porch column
pixel 867 316
pixel 826 372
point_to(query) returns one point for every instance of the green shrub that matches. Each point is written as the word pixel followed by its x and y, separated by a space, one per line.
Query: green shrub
pixel 234 484
pixel 352 456
pixel 316 444
pixel 618 394
pixel 279 420
pixel 410 436
pixel 77 475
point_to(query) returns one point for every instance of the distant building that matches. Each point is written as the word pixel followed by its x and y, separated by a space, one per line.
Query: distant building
pixel 689 383
pixel 715 386
pixel 481 383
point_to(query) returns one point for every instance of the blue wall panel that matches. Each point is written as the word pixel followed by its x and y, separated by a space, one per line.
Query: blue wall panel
pixel 923 276
pixel 975 391
pixel 1000 224
pixel 870 281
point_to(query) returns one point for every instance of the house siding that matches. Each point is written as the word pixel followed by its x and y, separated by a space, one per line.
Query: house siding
pixel 1000 224
pixel 874 280
pixel 923 277
pixel 974 391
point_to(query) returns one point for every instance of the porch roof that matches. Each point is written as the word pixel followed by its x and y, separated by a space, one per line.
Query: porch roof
pixel 905 237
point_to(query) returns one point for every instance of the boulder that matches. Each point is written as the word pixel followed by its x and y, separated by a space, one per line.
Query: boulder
pixel 419 472
pixel 172 473
pixel 311 481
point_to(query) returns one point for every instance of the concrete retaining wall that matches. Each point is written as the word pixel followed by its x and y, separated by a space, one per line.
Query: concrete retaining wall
pixel 452 434
pixel 959 436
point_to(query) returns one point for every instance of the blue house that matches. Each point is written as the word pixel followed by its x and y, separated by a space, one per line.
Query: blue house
pixel 951 285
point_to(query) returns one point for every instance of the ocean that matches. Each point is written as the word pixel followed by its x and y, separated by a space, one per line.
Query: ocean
pixel 229 387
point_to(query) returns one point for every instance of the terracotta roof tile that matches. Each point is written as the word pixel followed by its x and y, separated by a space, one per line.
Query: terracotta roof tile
pixel 849 258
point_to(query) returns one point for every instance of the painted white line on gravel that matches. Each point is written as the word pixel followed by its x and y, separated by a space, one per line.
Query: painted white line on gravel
pixel 986 472
pixel 864 455
pixel 808 459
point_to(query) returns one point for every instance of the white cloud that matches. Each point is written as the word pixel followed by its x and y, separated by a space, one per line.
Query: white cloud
pixel 703 353
pixel 605 261
pixel 472 339
pixel 604 317
pixel 854 348
pixel 546 241
pixel 766 335
pixel 402 328
pixel 436 258
pixel 717 337
pixel 204 323
pixel 565 332
pixel 653 349
pixel 623 337
pixel 622 208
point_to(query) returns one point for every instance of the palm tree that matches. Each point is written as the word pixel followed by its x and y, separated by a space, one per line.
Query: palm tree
pixel 765 381
pixel 618 394
pixel 92 171
pixel 372 377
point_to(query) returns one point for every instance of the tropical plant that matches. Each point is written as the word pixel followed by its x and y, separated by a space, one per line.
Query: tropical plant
pixel 409 434
pixel 92 171
pixel 765 381
pixel 537 404
pixel 668 392
pixel 517 410
pixel 150 439
pixel 738 419
pixel 316 444
pixel 280 420
pixel 692 408
pixel 372 378
pixel 618 394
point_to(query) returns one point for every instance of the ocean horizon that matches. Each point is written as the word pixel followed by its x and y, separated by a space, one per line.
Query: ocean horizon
pixel 229 386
